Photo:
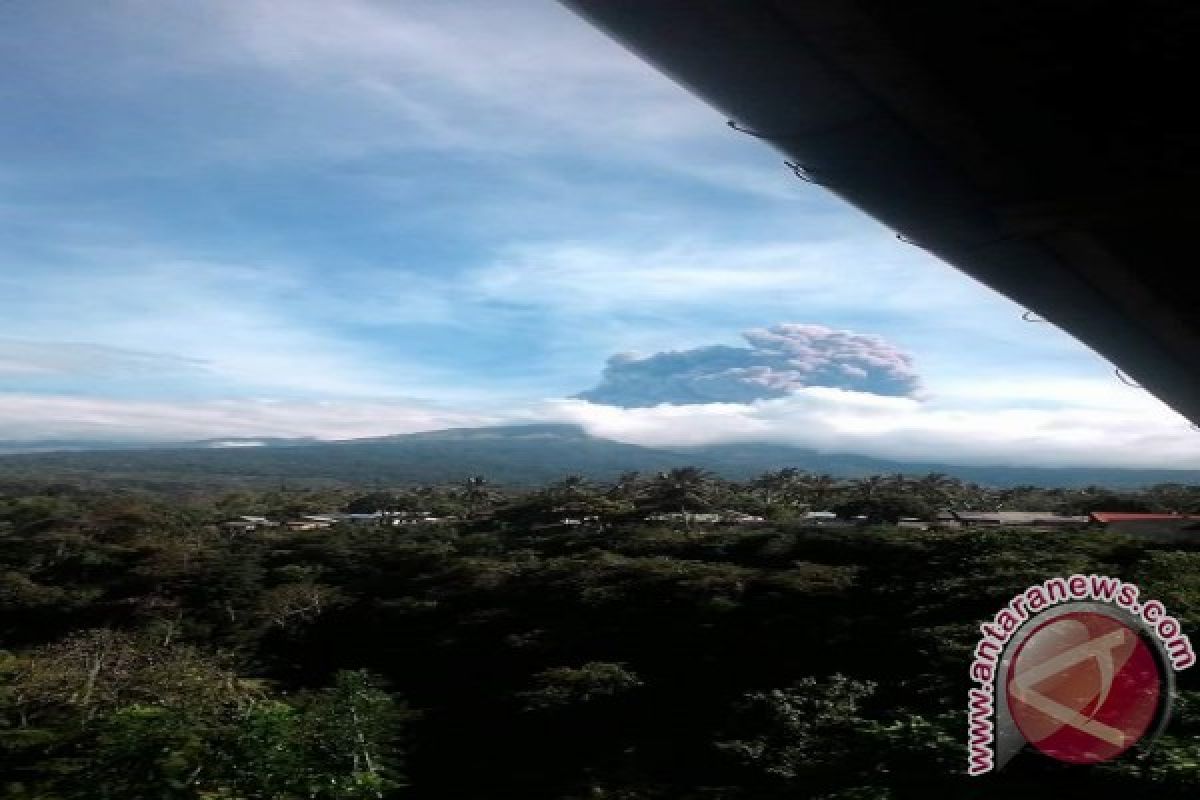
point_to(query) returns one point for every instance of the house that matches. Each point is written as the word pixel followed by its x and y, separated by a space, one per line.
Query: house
pixel 311 522
pixel 740 518
pixel 373 518
pixel 826 519
pixel 1161 527
pixel 591 521
pixel 1007 519
pixel 247 523
pixel 688 518
pixel 913 523
pixel 412 518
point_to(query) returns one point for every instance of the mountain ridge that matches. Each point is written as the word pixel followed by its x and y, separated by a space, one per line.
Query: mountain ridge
pixel 522 454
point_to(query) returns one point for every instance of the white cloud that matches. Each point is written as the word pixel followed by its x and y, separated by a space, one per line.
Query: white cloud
pixel 356 79
pixel 1096 433
pixel 851 268
pixel 254 328
pixel 21 357
pixel 465 71
pixel 614 277
pixel 1020 389
pixel 29 417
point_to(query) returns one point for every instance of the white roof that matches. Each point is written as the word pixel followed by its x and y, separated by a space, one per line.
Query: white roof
pixel 1016 516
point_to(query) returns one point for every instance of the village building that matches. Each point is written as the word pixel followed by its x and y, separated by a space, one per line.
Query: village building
pixel 399 518
pixel 1007 519
pixel 740 518
pixel 1160 527
pixel 247 524
pixel 311 522
pixel 686 517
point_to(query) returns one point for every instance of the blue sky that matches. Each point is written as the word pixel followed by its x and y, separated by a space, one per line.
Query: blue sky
pixel 302 218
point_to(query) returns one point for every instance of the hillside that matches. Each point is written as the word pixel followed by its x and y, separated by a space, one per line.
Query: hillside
pixel 518 455
pixel 514 455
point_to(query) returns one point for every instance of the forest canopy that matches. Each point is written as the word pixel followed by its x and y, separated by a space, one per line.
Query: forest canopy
pixel 643 650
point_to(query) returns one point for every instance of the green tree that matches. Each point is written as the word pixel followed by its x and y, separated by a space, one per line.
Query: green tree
pixel 804 733
pixel 780 488
pixel 819 490
pixel 684 489
pixel 477 495
pixel 565 686
pixel 628 487
pixel 92 673
pixel 148 751
pixel 938 491
pixel 344 740
pixel 302 601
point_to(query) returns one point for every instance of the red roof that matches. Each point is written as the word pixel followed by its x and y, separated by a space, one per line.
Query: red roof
pixel 1121 516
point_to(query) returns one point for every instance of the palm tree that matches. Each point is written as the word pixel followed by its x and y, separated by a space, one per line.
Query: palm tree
pixel 770 484
pixel 939 490
pixel 867 489
pixel 627 487
pixel 977 498
pixel 476 493
pixel 687 489
pixel 568 498
pixel 779 486
pixel 1174 497
pixel 818 489
pixel 574 494
pixel 571 487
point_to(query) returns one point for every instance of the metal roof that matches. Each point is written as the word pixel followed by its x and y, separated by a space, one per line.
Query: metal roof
pixel 1016 516
pixel 1121 516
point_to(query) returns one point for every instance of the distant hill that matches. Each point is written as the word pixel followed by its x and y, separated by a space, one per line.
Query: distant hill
pixel 514 455
pixel 518 455
pixel 755 458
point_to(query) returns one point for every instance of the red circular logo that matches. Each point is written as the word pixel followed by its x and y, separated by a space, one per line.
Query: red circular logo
pixel 1084 687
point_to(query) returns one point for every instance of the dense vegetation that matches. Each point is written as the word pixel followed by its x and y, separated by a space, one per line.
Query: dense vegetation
pixel 149 653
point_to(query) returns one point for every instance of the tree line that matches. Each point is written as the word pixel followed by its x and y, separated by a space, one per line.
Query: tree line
pixel 778 495
pixel 148 653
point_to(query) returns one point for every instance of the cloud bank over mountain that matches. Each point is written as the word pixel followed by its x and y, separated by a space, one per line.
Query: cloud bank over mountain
pixel 1101 427
pixel 843 391
pixel 779 361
